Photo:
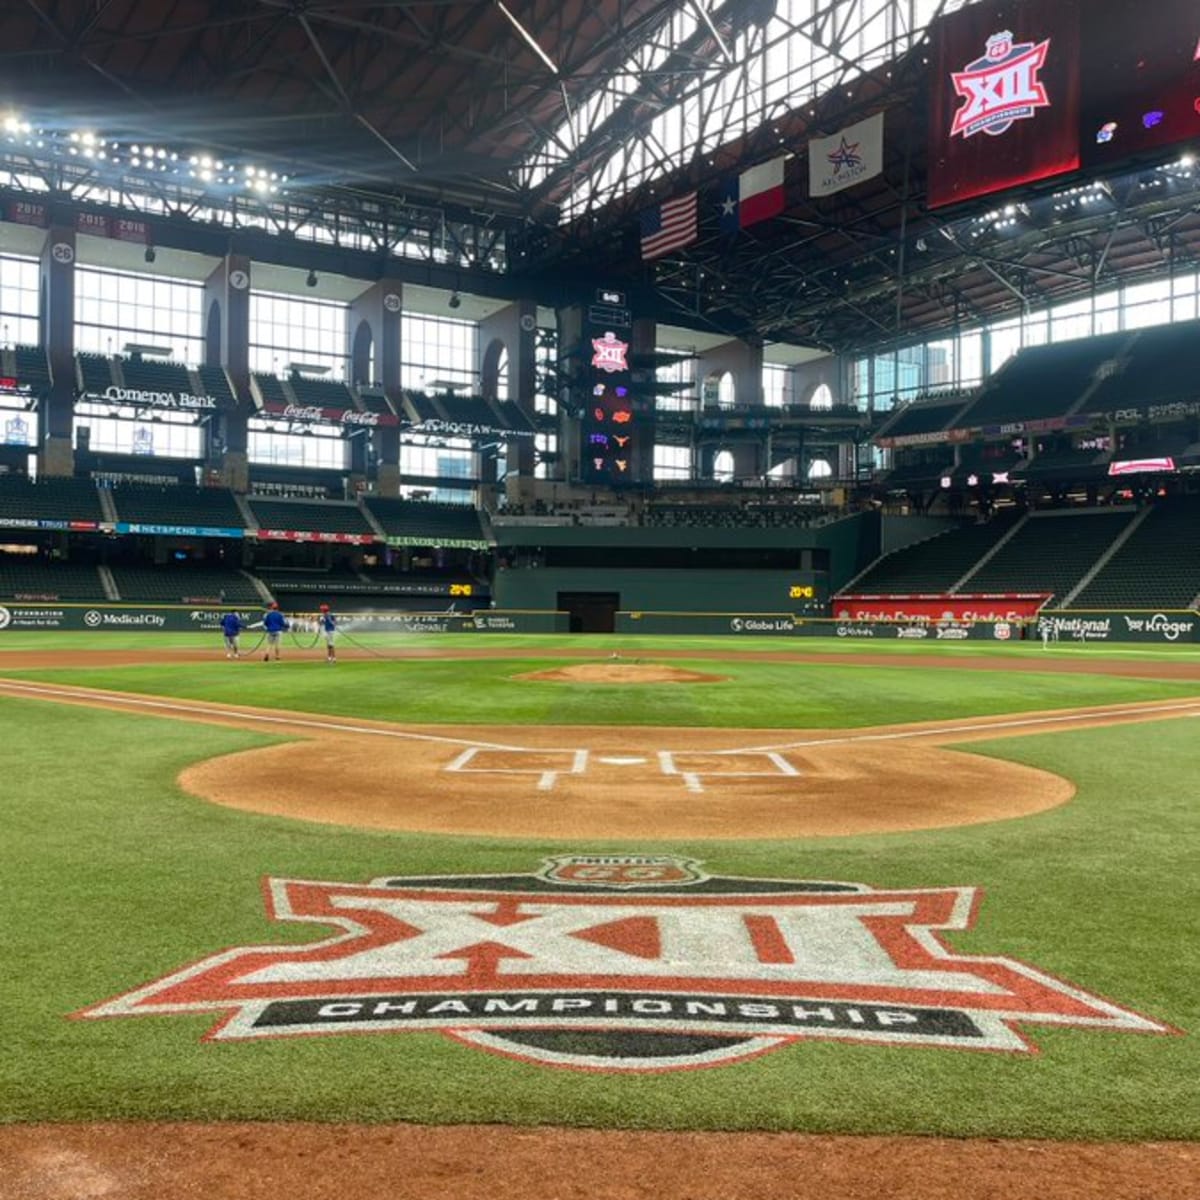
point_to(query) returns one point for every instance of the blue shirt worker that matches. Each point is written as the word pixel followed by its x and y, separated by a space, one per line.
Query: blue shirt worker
pixel 231 626
pixel 328 625
pixel 274 622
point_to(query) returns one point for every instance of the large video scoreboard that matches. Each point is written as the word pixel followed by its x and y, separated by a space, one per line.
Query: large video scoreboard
pixel 1025 90
pixel 616 424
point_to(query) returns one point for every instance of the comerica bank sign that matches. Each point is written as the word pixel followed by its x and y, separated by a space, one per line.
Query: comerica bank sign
pixel 183 401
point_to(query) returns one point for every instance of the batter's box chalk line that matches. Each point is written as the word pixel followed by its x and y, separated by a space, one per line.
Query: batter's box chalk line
pixel 578 762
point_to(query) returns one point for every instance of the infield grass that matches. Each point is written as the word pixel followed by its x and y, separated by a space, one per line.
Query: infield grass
pixel 113 877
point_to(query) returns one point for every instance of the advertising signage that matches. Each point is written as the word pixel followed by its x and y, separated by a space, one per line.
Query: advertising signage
pixel 139 398
pixel 315 414
pixel 1004 97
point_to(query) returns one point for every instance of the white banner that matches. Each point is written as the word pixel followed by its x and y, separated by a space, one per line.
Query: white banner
pixel 848 157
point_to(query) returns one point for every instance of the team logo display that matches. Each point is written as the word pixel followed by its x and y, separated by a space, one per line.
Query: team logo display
pixel 1001 87
pixel 625 962
pixel 608 353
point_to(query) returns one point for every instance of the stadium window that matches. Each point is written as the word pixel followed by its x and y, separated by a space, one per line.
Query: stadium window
pixel 681 372
pixel 672 462
pixel 437 348
pixel 502 384
pixel 970 359
pixel 169 435
pixel 19 301
pixel 822 399
pixel 860 382
pixel 1146 304
pixel 722 470
pixel 776 385
pixel 1005 341
pixel 1183 298
pixel 1035 328
pixel 726 390
pixel 284 329
pixel 1070 321
pixel 820 468
pixel 319 448
pixel 546 446
pixel 116 307
pixel 1106 312
pixel 546 367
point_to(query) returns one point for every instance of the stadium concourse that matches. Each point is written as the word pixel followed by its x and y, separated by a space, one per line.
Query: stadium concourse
pixel 787 330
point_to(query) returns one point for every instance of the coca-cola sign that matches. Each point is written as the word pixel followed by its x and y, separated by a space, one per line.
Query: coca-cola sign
pixel 315 414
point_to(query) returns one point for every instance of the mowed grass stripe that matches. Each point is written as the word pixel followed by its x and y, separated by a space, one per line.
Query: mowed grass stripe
pixel 114 878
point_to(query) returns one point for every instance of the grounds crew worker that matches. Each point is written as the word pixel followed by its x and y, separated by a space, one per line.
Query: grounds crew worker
pixel 274 622
pixel 328 625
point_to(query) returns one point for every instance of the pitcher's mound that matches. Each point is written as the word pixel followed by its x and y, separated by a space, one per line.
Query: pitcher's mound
pixel 620 672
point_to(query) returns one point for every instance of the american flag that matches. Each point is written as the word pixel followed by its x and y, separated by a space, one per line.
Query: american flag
pixel 667 226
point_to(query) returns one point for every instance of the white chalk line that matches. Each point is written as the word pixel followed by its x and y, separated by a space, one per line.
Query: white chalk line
pixel 120 699
pixel 981 726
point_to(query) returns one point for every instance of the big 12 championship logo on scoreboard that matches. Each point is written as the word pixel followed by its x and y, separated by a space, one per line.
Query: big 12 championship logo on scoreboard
pixel 1009 71
pixel 609 429
pixel 1000 88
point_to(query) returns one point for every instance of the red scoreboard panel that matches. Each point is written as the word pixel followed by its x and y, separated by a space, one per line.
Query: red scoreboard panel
pixel 1004 97
pixel 1141 78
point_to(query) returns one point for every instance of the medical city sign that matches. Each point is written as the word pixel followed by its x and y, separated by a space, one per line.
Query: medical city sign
pixel 1001 87
pixel 632 962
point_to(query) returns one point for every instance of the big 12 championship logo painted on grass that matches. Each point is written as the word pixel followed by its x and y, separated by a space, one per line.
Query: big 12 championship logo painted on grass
pixel 626 962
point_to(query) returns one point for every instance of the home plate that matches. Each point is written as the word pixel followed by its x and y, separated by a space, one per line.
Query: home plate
pixel 621 762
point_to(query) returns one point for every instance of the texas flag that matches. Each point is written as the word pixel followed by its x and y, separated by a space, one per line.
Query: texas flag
pixel 753 196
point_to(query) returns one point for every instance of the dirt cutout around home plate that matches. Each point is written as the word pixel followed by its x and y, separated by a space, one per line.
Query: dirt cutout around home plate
pixel 603 782
pixel 620 673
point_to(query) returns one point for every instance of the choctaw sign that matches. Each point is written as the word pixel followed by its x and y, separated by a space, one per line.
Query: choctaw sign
pixel 626 963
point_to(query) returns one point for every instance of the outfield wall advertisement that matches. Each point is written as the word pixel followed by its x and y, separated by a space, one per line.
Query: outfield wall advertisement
pixel 1164 628
pixel 180 619
pixel 986 606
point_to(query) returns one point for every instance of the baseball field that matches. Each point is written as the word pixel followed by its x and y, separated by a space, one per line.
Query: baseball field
pixel 605 917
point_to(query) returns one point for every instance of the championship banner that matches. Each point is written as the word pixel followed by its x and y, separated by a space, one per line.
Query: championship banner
pixel 850 156
pixel 1003 607
pixel 1004 97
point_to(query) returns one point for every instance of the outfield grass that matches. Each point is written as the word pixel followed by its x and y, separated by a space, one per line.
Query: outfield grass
pixel 754 694
pixel 114 877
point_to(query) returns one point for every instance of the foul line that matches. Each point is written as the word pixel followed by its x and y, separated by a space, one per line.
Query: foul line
pixel 87 695
pixel 981 726
pixel 1187 708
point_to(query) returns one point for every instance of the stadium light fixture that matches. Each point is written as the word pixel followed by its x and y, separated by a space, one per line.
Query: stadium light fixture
pixel 303 368
pixel 142 350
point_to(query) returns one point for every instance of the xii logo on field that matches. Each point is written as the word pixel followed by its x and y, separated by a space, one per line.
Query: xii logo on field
pixel 625 962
